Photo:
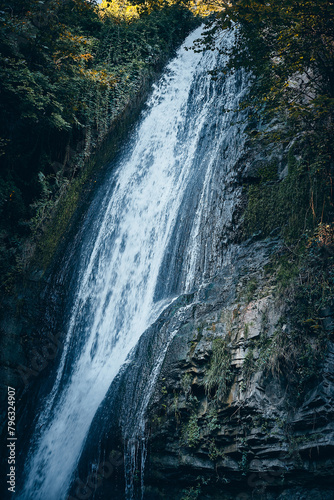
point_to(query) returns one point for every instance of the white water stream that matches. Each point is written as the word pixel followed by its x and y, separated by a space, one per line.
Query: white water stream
pixel 114 298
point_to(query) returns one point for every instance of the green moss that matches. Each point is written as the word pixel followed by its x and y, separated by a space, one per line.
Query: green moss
pixel 250 289
pixel 268 173
pixel 280 206
pixel 286 272
pixel 292 206
pixel 59 224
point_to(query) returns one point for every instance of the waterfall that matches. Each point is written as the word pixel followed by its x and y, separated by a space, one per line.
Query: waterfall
pixel 141 246
pixel 193 254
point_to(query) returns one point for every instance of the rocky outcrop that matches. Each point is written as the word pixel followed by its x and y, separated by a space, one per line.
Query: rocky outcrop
pixel 227 416
pixel 231 404
pixel 229 395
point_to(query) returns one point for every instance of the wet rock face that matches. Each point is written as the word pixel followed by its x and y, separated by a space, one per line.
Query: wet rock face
pixel 227 418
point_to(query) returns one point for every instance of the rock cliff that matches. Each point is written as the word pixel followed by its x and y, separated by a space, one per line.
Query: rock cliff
pixel 229 416
pixel 230 393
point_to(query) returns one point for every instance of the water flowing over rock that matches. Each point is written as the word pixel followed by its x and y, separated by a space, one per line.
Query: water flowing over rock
pixel 153 203
pixel 161 286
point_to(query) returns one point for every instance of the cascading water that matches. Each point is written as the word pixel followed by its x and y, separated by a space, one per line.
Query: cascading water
pixel 140 231
pixel 194 253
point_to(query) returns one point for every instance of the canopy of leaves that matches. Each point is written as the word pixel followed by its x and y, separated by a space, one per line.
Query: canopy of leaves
pixel 288 48
pixel 66 71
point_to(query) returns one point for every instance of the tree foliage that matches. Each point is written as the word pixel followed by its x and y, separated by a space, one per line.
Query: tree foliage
pixel 66 71
pixel 288 45
pixel 288 48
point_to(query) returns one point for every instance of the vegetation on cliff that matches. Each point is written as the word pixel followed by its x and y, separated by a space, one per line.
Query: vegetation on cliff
pixel 68 68
pixel 288 48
